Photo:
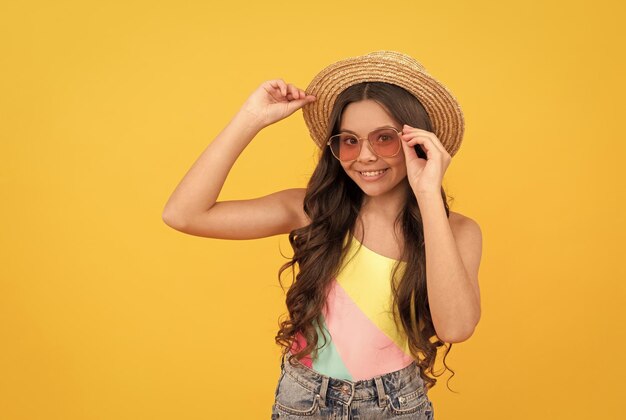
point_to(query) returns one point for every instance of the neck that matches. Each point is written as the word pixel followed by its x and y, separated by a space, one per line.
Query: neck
pixel 386 206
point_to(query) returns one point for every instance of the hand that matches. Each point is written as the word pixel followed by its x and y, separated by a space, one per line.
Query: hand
pixel 424 175
pixel 274 100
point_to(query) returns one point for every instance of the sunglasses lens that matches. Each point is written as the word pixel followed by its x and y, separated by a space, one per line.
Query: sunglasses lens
pixel 345 146
pixel 386 142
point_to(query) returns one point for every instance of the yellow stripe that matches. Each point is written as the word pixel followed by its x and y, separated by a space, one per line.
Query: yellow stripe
pixel 366 278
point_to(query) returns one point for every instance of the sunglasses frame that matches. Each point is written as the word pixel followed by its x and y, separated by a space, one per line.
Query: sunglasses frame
pixel 361 141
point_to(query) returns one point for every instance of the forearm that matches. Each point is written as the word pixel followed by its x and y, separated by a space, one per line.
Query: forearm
pixel 454 304
pixel 201 185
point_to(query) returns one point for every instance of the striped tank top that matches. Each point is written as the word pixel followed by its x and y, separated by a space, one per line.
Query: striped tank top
pixel 362 340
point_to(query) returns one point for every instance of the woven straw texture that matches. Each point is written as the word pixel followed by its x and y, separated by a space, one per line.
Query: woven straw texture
pixel 391 67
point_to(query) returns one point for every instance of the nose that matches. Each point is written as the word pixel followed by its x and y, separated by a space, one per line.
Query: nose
pixel 367 154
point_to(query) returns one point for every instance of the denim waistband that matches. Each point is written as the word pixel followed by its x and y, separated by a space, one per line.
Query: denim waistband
pixel 345 390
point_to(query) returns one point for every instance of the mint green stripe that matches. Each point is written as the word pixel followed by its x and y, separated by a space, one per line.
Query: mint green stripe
pixel 329 361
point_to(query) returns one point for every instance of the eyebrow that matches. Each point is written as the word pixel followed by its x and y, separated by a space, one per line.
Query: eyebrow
pixel 377 128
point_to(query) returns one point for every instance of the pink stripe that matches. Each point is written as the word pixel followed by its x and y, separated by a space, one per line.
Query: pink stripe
pixel 298 344
pixel 365 350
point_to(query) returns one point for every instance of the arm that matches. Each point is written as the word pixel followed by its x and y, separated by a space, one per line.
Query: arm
pixel 197 192
pixel 193 208
pixel 274 214
pixel 453 252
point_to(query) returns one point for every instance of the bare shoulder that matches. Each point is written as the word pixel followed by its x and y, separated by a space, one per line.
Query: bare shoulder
pixel 460 221
pixel 468 235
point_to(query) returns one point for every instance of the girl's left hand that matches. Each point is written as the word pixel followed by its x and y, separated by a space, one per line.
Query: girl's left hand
pixel 425 176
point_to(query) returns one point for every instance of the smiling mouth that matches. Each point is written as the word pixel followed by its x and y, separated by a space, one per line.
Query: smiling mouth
pixel 373 173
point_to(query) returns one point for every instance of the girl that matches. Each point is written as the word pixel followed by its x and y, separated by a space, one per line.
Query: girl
pixel 387 273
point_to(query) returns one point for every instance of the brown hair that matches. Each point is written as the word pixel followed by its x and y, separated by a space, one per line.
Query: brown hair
pixel 332 202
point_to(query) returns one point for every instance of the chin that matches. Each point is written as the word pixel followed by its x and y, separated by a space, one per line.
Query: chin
pixel 375 190
pixel 383 188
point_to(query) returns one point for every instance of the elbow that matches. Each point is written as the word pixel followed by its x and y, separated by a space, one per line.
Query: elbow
pixel 458 333
pixel 456 336
pixel 460 327
pixel 172 221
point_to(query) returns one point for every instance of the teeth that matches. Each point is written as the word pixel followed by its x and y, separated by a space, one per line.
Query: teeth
pixel 373 173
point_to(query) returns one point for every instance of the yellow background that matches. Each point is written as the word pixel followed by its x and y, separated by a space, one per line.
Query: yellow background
pixel 107 313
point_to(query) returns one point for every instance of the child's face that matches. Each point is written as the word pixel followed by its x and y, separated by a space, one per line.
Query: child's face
pixel 362 118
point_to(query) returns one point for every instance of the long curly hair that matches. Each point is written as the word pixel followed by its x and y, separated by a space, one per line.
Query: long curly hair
pixel 332 202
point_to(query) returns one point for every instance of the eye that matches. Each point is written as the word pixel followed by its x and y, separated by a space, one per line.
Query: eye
pixel 384 138
pixel 350 141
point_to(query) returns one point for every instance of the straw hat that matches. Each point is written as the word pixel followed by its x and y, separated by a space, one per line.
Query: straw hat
pixel 391 67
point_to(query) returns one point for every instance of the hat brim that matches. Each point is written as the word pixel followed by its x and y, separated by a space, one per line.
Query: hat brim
pixel 391 67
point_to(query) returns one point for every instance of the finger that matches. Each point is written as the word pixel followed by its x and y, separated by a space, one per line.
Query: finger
pixel 431 139
pixel 294 91
pixel 414 135
pixel 304 96
pixel 411 155
pixel 301 102
pixel 407 127
pixel 432 136
pixel 425 142
pixel 283 86
pixel 405 145
pixel 292 98
pixel 274 90
pixel 436 143
pixel 419 140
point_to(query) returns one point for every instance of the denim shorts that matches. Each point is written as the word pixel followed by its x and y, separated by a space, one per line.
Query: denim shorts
pixel 304 393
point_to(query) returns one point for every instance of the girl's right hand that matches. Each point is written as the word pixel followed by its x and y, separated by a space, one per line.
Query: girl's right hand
pixel 274 100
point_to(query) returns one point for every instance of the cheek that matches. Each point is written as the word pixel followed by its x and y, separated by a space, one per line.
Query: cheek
pixel 399 164
pixel 400 168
